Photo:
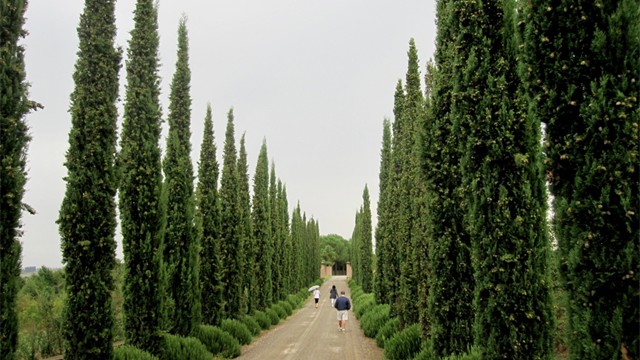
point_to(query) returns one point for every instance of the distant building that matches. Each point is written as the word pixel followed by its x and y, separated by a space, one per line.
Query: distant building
pixel 29 270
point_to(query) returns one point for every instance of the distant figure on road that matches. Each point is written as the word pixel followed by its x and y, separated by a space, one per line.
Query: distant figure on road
pixel 333 295
pixel 343 305
pixel 316 296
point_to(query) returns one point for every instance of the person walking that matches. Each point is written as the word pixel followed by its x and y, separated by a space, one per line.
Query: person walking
pixel 333 295
pixel 316 296
pixel 343 305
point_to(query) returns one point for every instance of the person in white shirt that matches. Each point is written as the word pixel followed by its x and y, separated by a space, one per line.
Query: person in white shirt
pixel 316 296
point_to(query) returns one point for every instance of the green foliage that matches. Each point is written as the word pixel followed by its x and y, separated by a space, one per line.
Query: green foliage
pixel 237 329
pixel 473 354
pixel 174 347
pixel 282 313
pixel 217 341
pixel 286 306
pixel 363 303
pixel 361 250
pixel 208 218
pixel 263 319
pixel 87 218
pixel 403 345
pixel 380 285
pixel 180 241
pixel 128 352
pixel 374 319
pixel 260 216
pixel 252 325
pixel 273 316
pixel 294 300
pixel 390 328
pixel 248 285
pixel 142 215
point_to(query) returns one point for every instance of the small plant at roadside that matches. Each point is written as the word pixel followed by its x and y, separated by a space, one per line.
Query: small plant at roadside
pixel 175 347
pixel 273 316
pixel 282 313
pixel 403 345
pixel 387 331
pixel 263 319
pixel 374 319
pixel 286 306
pixel 237 329
pixel 217 341
pixel 128 352
pixel 251 324
pixel 363 304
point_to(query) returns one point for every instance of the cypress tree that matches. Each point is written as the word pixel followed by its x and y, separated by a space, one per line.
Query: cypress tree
pixel 356 265
pixel 208 218
pixel 581 69
pixel 276 235
pixel 297 238
pixel 87 216
pixel 380 287
pixel 262 230
pixel 14 105
pixel 139 164
pixel 502 171
pixel 232 246
pixel 181 246
pixel 245 231
pixel 365 243
pixel 287 248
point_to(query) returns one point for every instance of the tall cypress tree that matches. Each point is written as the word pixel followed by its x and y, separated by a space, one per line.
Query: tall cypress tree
pixel 262 229
pixel 245 230
pixel 582 62
pixel 297 246
pixel 232 246
pixel 276 236
pixel 139 165
pixel 14 105
pixel 181 245
pixel 366 251
pixel 380 287
pixel 287 247
pixel 450 297
pixel 502 170
pixel 208 218
pixel 88 216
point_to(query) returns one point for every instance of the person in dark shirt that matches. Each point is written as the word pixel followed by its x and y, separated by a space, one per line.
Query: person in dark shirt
pixel 333 295
pixel 343 305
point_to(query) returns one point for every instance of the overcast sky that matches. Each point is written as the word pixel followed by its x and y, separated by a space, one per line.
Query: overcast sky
pixel 313 78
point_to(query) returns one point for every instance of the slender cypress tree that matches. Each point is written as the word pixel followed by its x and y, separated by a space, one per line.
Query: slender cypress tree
pixel 139 165
pixel 582 62
pixel 14 105
pixel 262 229
pixel 449 309
pixel 356 267
pixel 181 242
pixel 245 231
pixel 287 265
pixel 297 238
pixel 208 218
pixel 380 287
pixel 276 235
pixel 366 251
pixel 502 170
pixel 232 246
pixel 88 216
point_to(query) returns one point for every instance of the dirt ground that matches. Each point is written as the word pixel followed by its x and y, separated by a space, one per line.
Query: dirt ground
pixel 312 333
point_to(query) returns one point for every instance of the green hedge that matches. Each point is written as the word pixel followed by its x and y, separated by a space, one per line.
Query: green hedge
pixel 273 316
pixel 403 345
pixel 282 313
pixel 237 329
pixel 128 352
pixel 286 306
pixel 175 347
pixel 217 341
pixel 374 319
pixel 387 331
pixel 251 324
pixel 362 304
pixel 473 354
pixel 263 319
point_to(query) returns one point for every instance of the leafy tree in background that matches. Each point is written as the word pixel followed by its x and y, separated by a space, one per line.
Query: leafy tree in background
pixel 449 309
pixel 504 184
pixel 381 287
pixel 87 216
pixel 339 246
pixel 208 218
pixel 14 105
pixel 232 246
pixel 261 218
pixel 245 231
pixel 582 64
pixel 181 245
pixel 140 171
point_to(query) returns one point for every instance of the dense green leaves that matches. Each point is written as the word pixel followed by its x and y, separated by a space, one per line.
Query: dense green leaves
pixel 361 250
pixel 139 165
pixel 260 216
pixel 87 216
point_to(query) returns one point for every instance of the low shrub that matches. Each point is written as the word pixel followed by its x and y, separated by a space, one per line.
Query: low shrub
pixel 128 352
pixel 374 319
pixel 263 319
pixel 294 300
pixel 217 341
pixel 403 345
pixel 286 306
pixel 273 316
pixel 251 324
pixel 175 347
pixel 282 313
pixel 387 331
pixel 363 304
pixel 237 329
pixel 473 354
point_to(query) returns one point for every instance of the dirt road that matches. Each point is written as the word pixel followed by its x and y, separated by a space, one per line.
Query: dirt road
pixel 312 333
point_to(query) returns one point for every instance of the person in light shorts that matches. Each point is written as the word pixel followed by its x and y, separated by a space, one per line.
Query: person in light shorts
pixel 343 305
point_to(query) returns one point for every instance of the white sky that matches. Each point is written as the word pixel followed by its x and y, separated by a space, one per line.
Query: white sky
pixel 315 78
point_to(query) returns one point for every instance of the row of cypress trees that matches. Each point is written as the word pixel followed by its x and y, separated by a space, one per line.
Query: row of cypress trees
pixel 361 248
pixel 462 208
pixel 192 256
